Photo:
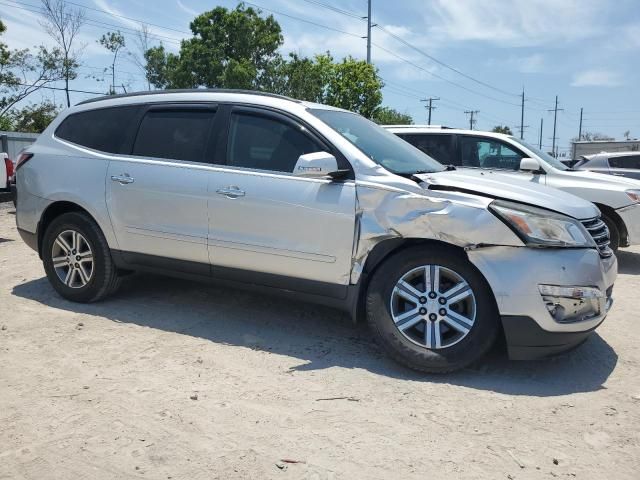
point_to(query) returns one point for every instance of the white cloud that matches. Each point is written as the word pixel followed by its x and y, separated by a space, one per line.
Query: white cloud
pixel 187 9
pixel 596 78
pixel 518 22
pixel 530 63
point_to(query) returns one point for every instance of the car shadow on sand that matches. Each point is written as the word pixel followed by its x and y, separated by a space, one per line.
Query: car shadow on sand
pixel 628 262
pixel 319 337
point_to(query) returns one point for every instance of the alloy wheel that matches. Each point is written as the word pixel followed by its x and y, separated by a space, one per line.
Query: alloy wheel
pixel 72 259
pixel 433 306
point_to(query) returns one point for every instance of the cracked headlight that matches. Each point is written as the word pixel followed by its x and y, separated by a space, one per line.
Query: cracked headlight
pixel 538 227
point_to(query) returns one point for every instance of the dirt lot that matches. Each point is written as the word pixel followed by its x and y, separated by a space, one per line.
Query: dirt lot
pixel 178 380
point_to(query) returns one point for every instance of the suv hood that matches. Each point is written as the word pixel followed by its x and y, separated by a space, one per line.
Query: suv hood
pixel 497 185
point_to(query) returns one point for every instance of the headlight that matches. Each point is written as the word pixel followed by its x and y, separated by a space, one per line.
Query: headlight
pixel 542 228
pixel 634 195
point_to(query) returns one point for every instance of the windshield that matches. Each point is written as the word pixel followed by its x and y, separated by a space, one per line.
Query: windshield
pixel 375 142
pixel 554 162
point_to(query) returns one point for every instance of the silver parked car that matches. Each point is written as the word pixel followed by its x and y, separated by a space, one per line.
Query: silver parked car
pixel 317 203
pixel 617 198
pixel 619 164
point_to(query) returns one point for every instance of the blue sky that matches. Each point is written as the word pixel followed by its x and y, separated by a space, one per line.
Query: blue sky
pixel 584 51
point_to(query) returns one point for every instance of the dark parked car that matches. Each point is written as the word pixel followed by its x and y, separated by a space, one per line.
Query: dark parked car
pixel 620 164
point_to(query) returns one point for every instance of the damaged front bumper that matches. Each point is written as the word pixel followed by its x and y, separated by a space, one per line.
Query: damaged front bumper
pixel 549 300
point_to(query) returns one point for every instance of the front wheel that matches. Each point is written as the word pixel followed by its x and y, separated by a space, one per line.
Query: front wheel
pixel 614 233
pixel 432 310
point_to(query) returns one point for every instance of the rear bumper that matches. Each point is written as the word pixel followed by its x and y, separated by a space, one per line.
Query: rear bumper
pixel 527 341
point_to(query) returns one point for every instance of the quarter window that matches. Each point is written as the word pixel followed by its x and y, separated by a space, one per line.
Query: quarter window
pixel 264 143
pixel 488 153
pixel 626 161
pixel 109 130
pixel 174 134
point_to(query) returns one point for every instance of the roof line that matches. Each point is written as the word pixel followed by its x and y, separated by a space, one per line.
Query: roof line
pixel 188 90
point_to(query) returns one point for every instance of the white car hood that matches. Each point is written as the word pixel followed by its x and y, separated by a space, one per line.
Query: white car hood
pixel 497 185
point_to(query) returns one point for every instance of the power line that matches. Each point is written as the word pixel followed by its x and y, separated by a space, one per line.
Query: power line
pixel 336 9
pixel 60 89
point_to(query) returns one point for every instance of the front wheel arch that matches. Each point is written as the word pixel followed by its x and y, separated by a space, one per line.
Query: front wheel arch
pixel 610 213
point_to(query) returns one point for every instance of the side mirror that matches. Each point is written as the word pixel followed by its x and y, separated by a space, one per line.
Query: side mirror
pixel 529 165
pixel 316 165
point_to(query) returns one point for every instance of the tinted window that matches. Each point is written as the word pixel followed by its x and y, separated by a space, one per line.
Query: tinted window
pixel 109 130
pixel 627 161
pixel 488 153
pixel 175 134
pixel 436 146
pixel 265 143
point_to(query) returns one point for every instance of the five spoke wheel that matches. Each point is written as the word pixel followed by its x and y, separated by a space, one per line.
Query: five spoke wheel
pixel 433 306
pixel 72 259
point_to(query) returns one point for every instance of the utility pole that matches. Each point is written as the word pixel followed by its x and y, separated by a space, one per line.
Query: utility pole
pixel 540 139
pixel 555 120
pixel 430 106
pixel 368 31
pixel 522 116
pixel 471 114
pixel 580 127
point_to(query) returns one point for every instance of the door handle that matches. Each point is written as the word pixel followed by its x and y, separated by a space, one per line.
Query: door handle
pixel 231 192
pixel 618 174
pixel 123 179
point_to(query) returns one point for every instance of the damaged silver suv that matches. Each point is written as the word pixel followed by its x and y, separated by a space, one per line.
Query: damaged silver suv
pixel 320 204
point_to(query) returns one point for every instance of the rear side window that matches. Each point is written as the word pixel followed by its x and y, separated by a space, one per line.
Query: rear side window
pixel 109 130
pixel 264 143
pixel 627 161
pixel 175 134
pixel 439 147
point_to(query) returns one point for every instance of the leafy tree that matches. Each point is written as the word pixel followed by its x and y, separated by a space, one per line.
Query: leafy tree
pixel 63 22
pixel 161 67
pixel 389 116
pixel 114 42
pixel 33 118
pixel 23 73
pixel 592 137
pixel 355 86
pixel 502 129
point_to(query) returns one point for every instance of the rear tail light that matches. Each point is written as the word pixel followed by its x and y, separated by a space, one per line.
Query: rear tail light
pixel 22 159
pixel 8 164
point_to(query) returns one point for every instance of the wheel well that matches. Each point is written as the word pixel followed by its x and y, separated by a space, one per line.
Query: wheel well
pixel 381 252
pixel 613 215
pixel 51 213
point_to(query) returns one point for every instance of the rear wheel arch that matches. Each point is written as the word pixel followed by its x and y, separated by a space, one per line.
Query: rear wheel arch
pixel 52 212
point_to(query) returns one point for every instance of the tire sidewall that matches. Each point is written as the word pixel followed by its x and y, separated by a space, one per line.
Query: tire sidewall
pixel 475 344
pixel 81 224
pixel 614 233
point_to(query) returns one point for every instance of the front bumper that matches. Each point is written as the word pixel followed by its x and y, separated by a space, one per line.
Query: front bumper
pixel 630 215
pixel 514 274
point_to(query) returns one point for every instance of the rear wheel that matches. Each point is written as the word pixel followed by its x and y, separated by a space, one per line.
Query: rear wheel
pixel 77 259
pixel 432 310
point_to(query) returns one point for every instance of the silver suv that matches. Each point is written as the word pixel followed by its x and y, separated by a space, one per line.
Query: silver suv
pixel 316 203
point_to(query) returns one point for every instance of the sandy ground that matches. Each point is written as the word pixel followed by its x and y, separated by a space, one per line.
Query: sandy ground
pixel 177 380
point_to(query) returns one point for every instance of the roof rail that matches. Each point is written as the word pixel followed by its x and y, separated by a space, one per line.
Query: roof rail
pixel 417 126
pixel 188 90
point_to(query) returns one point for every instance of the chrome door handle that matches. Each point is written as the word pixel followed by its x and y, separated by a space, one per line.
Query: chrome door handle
pixel 618 174
pixel 123 179
pixel 231 192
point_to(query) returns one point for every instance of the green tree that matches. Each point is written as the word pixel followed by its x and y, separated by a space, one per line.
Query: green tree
pixel 502 129
pixel 23 73
pixel 33 118
pixel 114 42
pixel 389 116
pixel 229 49
pixel 355 85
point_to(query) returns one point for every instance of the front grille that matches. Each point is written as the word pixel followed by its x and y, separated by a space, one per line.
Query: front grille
pixel 600 234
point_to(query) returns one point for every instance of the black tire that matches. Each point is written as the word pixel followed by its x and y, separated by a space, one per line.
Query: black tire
pixel 614 233
pixel 104 279
pixel 477 342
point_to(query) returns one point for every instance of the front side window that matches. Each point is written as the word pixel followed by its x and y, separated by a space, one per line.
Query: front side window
pixel 174 134
pixel 436 146
pixel 266 143
pixel 109 130
pixel 626 161
pixel 488 153
pixel 380 145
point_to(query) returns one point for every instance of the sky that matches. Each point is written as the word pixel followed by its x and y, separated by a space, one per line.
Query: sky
pixel 475 55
